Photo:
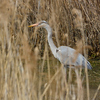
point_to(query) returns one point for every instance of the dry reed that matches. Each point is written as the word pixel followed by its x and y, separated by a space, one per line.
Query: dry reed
pixel 28 69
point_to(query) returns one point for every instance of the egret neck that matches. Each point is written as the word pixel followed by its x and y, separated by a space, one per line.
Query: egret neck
pixel 50 41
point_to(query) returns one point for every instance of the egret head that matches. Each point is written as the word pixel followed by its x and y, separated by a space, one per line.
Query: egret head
pixel 40 24
pixel 43 24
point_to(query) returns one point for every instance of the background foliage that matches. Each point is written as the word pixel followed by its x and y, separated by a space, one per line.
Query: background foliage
pixel 28 70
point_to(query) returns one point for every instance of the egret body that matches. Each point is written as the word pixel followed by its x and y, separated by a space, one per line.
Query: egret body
pixel 64 54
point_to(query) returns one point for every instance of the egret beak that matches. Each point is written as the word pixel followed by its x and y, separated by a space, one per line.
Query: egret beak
pixel 34 25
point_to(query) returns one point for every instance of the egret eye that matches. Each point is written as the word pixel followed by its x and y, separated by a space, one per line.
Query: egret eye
pixel 43 22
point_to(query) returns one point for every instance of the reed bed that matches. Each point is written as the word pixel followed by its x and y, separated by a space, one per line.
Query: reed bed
pixel 28 70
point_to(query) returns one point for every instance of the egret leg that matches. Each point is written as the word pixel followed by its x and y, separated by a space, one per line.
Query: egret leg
pixel 65 82
pixel 83 77
pixel 65 71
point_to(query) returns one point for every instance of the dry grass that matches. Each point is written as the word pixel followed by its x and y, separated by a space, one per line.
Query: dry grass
pixel 28 70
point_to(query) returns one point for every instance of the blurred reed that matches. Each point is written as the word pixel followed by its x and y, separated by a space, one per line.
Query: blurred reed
pixel 28 69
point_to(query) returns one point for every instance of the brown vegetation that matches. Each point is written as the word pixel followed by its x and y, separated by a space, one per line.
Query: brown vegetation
pixel 28 70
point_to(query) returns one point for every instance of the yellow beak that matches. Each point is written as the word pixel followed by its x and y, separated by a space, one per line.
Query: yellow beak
pixel 33 25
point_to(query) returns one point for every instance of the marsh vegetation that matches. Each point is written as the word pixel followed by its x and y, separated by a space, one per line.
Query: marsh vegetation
pixel 28 70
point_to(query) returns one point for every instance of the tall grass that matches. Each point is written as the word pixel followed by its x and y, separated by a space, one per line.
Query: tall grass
pixel 28 69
